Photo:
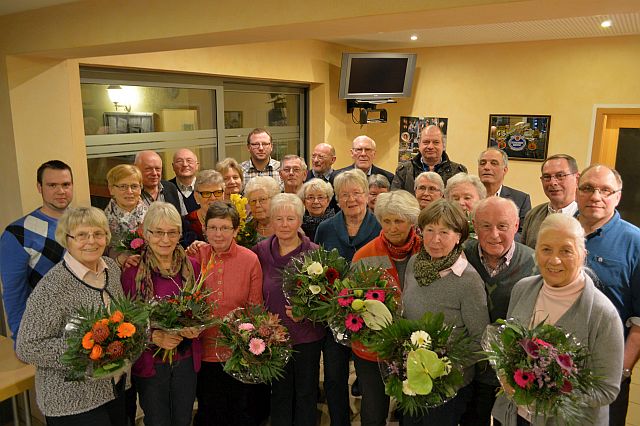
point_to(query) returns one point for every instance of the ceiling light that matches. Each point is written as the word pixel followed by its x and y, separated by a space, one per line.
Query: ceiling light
pixel 606 23
pixel 414 37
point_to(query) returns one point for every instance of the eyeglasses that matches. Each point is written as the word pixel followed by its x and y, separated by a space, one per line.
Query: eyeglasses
pixel 318 157
pixel 313 198
pixel 260 144
pixel 208 194
pixel 365 150
pixel 83 237
pixel 124 187
pixel 158 235
pixel 189 161
pixel 222 229
pixel 347 195
pixel 604 192
pixel 429 189
pixel 261 201
pixel 295 170
pixel 560 177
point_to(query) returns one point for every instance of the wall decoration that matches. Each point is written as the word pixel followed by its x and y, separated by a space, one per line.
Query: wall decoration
pixel 410 128
pixel 128 122
pixel 233 119
pixel 522 137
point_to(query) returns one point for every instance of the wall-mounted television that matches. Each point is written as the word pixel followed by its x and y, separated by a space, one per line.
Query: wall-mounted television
pixel 373 76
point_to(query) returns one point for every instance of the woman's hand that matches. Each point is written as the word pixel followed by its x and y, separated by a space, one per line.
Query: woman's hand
pixel 192 250
pixel 289 312
pixel 191 332
pixel 165 340
pixel 131 261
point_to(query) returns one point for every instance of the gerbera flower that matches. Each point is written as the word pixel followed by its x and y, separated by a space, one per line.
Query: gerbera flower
pixel 256 346
pixel 126 329
pixel 375 295
pixel 421 339
pixel 343 300
pixel 117 316
pixel 353 322
pixel 523 378
pixel 332 274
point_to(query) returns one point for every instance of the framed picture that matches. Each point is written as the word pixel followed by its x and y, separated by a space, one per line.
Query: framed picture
pixel 522 137
pixel 233 119
pixel 125 122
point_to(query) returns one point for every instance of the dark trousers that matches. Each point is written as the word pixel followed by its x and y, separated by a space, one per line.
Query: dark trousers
pixel 294 397
pixel 167 398
pixel 618 408
pixel 478 412
pixel 336 380
pixel 375 403
pixel 223 400
pixel 447 414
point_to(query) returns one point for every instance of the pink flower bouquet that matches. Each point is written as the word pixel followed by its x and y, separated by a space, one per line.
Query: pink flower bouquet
pixel 259 343
pixel 131 242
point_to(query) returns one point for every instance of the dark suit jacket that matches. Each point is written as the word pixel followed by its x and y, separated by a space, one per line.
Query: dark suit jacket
pixel 375 170
pixel 171 194
pixel 522 200
pixel 190 201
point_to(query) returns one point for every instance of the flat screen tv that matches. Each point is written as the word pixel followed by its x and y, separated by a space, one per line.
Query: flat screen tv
pixel 376 76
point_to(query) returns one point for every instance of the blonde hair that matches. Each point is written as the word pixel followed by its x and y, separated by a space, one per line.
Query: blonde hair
pixel 280 201
pixel 159 211
pixel 122 171
pixel 354 177
pixel 316 184
pixel 74 217
pixel 266 183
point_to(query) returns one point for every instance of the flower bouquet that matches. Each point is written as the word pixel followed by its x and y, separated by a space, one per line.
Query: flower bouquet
pixel 422 361
pixel 365 302
pixel 259 343
pixel 131 242
pixel 545 366
pixel 102 344
pixel 247 234
pixel 308 283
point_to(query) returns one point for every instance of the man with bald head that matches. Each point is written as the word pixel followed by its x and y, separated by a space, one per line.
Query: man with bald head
pixel 363 152
pixel 613 253
pixel 322 159
pixel 501 262
pixel 185 166
pixel 154 188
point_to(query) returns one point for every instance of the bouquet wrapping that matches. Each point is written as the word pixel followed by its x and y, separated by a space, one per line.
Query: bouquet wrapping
pixel 422 361
pixel 103 344
pixel 544 368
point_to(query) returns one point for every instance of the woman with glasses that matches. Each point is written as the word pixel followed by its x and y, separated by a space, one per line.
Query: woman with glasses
pixel 232 175
pixel 378 184
pixel 234 277
pixel 316 195
pixel 84 278
pixel 209 187
pixel 166 388
pixel 428 188
pixel 259 191
pixel 125 210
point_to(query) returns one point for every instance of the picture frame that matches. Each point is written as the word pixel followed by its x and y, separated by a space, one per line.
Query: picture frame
pixel 128 122
pixel 233 119
pixel 521 136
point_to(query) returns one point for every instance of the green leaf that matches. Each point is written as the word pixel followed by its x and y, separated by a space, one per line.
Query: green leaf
pixel 422 366
pixel 376 314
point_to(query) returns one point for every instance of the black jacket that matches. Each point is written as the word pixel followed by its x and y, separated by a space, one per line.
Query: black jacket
pixel 407 172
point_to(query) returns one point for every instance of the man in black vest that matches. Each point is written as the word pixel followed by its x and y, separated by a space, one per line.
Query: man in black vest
pixel 153 187
pixel 185 166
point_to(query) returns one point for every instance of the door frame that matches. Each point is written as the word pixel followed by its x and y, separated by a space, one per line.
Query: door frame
pixel 596 151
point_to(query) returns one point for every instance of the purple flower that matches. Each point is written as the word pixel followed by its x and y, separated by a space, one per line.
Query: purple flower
pixel 530 347
pixel 565 362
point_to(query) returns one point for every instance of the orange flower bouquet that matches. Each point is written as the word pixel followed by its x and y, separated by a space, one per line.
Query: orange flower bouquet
pixel 101 343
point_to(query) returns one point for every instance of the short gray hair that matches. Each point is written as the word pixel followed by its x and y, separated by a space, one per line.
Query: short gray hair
pixel 80 216
pixel 290 157
pixel 505 157
pixel 159 211
pixel 461 178
pixel 400 203
pixel 266 183
pixel 209 177
pixel 354 177
pixel 432 177
pixel 283 200
pixel 379 181
pixel 562 222
pixel 316 184
pixel 364 138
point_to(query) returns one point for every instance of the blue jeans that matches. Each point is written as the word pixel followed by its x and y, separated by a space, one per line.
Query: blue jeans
pixel 167 398
pixel 375 403
pixel 447 414
pixel 336 380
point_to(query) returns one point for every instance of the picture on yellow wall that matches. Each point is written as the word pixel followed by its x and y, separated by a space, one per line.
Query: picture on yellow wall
pixel 410 129
pixel 522 137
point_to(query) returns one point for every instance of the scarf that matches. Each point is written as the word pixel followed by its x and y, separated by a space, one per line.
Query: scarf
pixel 149 264
pixel 427 270
pixel 401 252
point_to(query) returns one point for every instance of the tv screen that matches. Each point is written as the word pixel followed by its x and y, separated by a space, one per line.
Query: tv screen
pixel 370 76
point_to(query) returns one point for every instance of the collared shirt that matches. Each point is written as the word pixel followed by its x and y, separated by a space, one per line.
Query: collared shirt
pixel 94 279
pixel 503 262
pixel 186 190
pixel 569 210
pixel 325 176
pixel 148 199
pixel 457 268
pixel 428 168
pixel 498 191
pixel 272 169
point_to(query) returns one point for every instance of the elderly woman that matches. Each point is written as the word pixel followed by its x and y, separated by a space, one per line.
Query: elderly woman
pixel 565 296
pixel 209 187
pixel 378 184
pixel 82 279
pixel 167 389
pixel 126 209
pixel 234 277
pixel 440 279
pixel 259 191
pixel 316 195
pixel 233 176
pixel 293 398
pixel 428 188
pixel 397 212
pixel 466 190
pixel 348 231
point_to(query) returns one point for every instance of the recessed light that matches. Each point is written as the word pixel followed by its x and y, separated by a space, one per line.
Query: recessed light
pixel 414 37
pixel 606 23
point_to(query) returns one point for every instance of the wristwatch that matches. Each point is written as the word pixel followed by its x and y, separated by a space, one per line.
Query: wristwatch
pixel 626 373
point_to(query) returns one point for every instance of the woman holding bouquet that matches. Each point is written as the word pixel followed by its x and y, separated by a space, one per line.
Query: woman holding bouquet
pixel 294 397
pixel 259 191
pixel 166 388
pixel 439 279
pixel 565 296
pixel 234 277
pixel 209 187
pixel 397 212
pixel 316 194
pixel 83 279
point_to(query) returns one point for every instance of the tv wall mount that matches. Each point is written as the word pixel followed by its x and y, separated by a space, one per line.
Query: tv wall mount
pixel 367 110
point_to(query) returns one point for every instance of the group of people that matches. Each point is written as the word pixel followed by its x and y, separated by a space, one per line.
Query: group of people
pixel 461 244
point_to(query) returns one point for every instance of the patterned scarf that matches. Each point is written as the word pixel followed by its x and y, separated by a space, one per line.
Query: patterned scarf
pixel 407 249
pixel 427 270
pixel 149 264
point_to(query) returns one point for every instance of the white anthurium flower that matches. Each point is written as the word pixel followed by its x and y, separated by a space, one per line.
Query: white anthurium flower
pixel 421 339
pixel 315 289
pixel 315 268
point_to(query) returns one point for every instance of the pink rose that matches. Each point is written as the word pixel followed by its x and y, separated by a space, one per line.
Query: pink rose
pixel 136 243
pixel 256 346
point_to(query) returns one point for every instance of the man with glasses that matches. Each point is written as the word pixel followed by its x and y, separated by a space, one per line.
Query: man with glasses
pixel 154 188
pixel 559 181
pixel 613 253
pixel 322 159
pixel 293 172
pixel 432 157
pixel 185 166
pixel 260 145
pixel 28 248
pixel 363 151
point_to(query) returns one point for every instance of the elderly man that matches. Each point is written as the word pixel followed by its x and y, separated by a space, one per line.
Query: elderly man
pixel 185 166
pixel 322 159
pixel 28 247
pixel 260 146
pixel 559 182
pixel 363 152
pixel 293 172
pixel 493 165
pixel 428 188
pixel 501 262
pixel 613 253
pixel 153 187
pixel 431 157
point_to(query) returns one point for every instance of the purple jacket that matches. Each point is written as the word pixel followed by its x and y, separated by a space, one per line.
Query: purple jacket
pixel 268 252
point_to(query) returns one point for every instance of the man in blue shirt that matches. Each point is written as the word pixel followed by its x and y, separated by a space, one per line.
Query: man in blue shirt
pixel 613 247
pixel 28 248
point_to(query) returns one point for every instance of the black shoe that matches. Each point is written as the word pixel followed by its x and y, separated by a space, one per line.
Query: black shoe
pixel 355 388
